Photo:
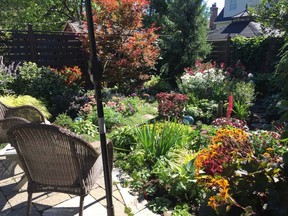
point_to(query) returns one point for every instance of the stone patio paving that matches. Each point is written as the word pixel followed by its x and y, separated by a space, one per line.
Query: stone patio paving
pixel 13 203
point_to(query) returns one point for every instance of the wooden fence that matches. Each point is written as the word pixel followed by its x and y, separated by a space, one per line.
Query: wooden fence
pixel 261 60
pixel 55 49
pixel 221 52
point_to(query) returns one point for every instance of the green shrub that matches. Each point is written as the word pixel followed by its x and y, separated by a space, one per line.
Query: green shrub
pixel 203 110
pixel 84 127
pixel 13 100
pixel 176 173
pixel 43 83
pixel 157 139
pixel 63 120
pixel 156 84
pixel 112 117
pixel 251 51
pixel 7 75
pixel 243 92
pixel 123 138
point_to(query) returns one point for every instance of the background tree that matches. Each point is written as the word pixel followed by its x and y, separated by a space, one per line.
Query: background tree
pixel 273 14
pixel 183 30
pixel 42 14
pixel 127 49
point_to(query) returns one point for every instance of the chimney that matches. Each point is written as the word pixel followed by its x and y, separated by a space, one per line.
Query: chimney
pixel 213 15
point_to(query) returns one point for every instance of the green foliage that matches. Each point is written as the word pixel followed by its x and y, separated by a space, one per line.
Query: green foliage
pixel 45 84
pixel 123 138
pixel 250 51
pixel 244 95
pixel 112 117
pixel 181 210
pixel 202 110
pixel 7 75
pixel 272 14
pixel 157 139
pixel 84 127
pixel 281 72
pixel 42 14
pixel 267 141
pixel 13 100
pixel 184 28
pixel 241 110
pixel 63 120
pixel 159 204
pixel 264 84
pixel 176 173
pixel 78 126
pixel 157 84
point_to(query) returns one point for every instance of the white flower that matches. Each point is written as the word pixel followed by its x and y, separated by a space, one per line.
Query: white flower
pixel 250 75
pixel 212 70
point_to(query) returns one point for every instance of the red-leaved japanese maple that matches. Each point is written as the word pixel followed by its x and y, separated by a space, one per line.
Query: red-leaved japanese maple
pixel 127 50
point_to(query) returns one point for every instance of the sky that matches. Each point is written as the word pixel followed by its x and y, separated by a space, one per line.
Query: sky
pixel 219 4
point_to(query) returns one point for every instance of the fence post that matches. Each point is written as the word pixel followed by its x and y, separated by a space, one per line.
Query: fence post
pixel 32 43
pixel 228 52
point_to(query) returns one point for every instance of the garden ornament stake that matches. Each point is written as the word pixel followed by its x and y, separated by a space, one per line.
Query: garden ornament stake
pixel 96 71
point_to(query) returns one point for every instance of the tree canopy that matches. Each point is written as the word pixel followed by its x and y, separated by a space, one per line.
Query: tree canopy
pixel 42 14
pixel 127 49
pixel 183 33
pixel 274 13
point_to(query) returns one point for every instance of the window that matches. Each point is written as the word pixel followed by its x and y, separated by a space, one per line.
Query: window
pixel 233 5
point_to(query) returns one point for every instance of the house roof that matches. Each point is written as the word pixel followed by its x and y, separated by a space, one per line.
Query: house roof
pixel 221 18
pixel 247 29
pixel 75 27
pixel 242 14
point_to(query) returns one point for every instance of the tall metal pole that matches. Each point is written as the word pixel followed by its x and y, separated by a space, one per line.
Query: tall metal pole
pixel 97 71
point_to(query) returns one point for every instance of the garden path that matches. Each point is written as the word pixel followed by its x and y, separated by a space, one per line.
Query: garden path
pixel 260 118
pixel 13 203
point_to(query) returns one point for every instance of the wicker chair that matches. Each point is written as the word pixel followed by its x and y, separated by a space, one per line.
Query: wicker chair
pixel 56 160
pixel 28 112
pixel 7 123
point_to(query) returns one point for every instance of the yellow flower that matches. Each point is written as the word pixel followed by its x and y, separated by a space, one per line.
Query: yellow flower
pixel 269 149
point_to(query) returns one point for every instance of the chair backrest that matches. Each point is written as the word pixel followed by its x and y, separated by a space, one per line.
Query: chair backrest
pixel 3 110
pixel 28 112
pixel 52 156
pixel 6 124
